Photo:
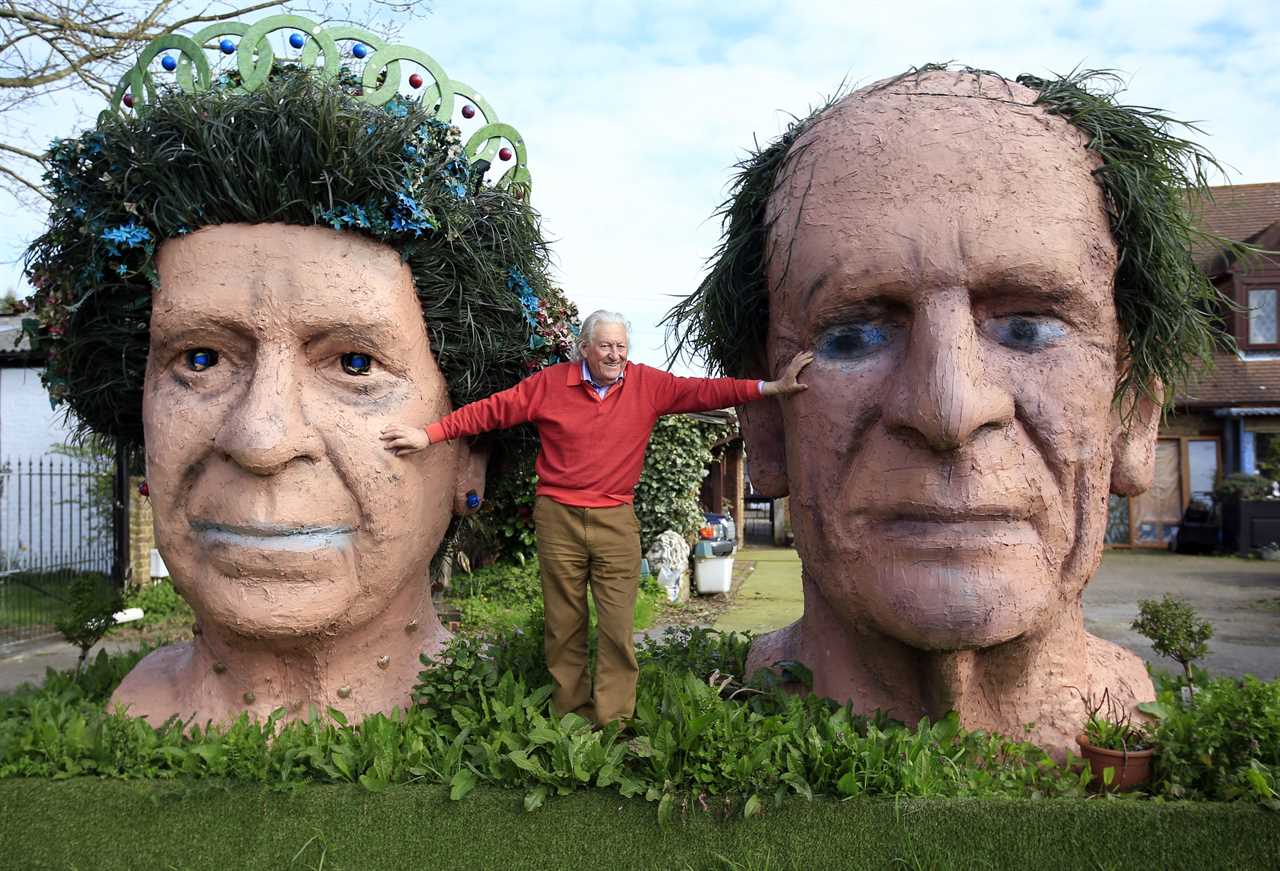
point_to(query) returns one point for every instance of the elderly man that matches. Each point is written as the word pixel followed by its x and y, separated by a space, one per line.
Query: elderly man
pixel 594 416
pixel 991 331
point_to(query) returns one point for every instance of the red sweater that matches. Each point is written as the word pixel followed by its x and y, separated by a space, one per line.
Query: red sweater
pixel 592 448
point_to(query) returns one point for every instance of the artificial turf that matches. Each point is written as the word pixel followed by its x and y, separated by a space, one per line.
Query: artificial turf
pixel 98 824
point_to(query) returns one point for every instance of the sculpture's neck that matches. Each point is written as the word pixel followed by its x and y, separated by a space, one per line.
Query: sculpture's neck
pixel 367 669
pixel 1001 688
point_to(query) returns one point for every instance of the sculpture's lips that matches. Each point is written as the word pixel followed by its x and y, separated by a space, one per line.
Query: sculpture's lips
pixel 914 513
pixel 271 536
pixel 964 532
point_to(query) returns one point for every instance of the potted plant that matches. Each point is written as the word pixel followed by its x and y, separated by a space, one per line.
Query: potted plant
pixel 1118 750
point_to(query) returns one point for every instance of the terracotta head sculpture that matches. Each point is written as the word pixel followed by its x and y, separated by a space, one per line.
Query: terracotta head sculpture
pixel 988 369
pixel 252 285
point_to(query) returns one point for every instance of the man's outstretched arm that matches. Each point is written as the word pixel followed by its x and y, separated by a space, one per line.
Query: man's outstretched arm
pixel 704 394
pixel 506 408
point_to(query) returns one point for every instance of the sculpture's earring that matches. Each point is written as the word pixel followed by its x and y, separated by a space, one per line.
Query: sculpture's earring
pixel 473 500
pixel 143 489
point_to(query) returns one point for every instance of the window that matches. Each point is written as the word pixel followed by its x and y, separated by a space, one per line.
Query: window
pixel 1262 317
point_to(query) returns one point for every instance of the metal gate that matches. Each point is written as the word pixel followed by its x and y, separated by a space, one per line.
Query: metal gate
pixel 56 524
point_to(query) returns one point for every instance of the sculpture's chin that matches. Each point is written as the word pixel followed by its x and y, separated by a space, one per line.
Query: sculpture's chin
pixel 942 607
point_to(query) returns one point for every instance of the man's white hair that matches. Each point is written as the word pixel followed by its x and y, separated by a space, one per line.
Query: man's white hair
pixel 598 318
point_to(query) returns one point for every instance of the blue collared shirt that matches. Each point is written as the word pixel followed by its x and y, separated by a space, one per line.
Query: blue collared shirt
pixel 600 389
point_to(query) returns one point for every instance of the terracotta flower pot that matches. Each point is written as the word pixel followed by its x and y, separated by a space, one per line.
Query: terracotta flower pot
pixel 1132 768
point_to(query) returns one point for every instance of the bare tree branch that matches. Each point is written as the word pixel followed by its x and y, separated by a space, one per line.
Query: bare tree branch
pixel 4 170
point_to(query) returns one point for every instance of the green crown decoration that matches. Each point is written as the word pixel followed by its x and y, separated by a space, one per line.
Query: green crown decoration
pixel 186 58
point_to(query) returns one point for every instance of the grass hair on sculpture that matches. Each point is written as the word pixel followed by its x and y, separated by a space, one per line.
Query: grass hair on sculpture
pixel 1168 309
pixel 272 141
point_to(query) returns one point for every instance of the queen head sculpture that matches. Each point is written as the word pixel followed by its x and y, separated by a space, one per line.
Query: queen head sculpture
pixel 251 274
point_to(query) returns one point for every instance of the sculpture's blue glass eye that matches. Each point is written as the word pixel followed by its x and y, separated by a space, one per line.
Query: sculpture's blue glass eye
pixel 1027 333
pixel 297 40
pixel 354 363
pixel 169 63
pixel 855 341
pixel 227 46
pixel 359 50
pixel 200 359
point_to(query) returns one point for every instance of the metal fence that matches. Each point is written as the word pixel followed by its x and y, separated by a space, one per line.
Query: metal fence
pixel 56 524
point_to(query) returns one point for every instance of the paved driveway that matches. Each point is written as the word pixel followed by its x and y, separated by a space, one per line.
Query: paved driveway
pixel 1241 598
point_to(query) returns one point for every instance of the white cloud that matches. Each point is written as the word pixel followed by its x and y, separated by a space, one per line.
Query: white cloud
pixel 634 113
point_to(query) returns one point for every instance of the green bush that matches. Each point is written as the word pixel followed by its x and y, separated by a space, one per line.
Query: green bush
pixel 1239 485
pixel 1175 631
pixel 1224 745
pixel 91 606
pixel 160 603
pixel 674 465
pixel 483 716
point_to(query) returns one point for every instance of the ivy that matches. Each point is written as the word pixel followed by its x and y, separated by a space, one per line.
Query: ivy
pixel 674 466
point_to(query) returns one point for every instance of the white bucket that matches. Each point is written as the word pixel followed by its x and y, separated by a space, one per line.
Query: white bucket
pixel 713 574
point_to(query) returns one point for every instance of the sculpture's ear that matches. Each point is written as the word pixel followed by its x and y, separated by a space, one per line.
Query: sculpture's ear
pixel 473 459
pixel 1135 421
pixel 765 437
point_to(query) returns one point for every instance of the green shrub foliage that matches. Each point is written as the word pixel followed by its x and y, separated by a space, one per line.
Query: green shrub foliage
pixel 91 608
pixel 1175 631
pixel 1224 745
pixel 482 715
pixel 674 465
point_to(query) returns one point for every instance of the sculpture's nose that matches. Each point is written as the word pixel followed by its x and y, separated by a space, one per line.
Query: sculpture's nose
pixel 268 428
pixel 943 396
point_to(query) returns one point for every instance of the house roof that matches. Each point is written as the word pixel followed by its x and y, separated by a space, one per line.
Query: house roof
pixel 1239 212
pixel 15 349
pixel 1233 381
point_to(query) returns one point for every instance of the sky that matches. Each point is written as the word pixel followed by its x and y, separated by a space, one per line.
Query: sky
pixel 634 113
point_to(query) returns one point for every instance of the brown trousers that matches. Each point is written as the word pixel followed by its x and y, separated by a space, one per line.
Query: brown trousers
pixel 599 546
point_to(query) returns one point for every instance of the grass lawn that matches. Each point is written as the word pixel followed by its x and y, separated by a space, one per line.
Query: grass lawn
pixel 130 825
pixel 32 600
pixel 771 596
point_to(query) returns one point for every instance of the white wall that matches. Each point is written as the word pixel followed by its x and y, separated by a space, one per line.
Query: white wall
pixel 28 426
pixel 61 532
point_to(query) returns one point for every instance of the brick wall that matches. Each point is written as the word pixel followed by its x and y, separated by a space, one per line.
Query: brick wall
pixel 142 536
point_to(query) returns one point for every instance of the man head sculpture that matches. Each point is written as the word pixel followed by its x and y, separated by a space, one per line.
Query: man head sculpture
pixel 951 247
pixel 253 285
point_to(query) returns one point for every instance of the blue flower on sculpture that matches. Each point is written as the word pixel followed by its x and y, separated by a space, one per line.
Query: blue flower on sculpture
pixel 397 108
pixel 518 284
pixel 347 215
pixel 130 235
pixel 409 217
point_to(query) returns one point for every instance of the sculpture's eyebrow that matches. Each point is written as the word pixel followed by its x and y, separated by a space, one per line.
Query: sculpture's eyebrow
pixel 375 333
pixel 172 324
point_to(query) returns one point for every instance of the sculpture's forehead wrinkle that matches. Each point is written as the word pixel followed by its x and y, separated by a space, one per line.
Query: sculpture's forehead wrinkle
pixel 934 182
pixel 263 277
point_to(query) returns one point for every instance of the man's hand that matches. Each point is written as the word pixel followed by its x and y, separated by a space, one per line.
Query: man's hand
pixel 402 440
pixel 787 384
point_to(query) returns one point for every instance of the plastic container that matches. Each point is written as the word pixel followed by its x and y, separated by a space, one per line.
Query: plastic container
pixel 713 574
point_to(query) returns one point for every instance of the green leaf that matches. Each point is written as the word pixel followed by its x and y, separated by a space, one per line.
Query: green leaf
pixel 534 798
pixel 753 808
pixel 666 808
pixel 464 780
